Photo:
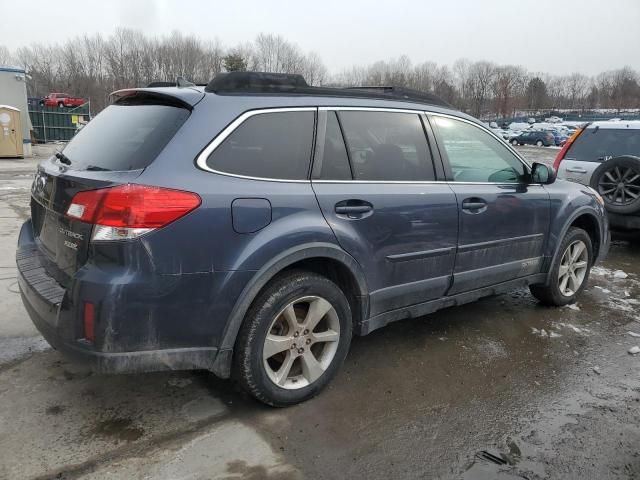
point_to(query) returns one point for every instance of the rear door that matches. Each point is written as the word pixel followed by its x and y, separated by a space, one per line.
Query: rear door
pixel 595 145
pixel 380 193
pixel 503 220
pixel 112 149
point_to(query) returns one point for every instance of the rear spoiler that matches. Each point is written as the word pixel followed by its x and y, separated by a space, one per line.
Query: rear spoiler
pixel 175 97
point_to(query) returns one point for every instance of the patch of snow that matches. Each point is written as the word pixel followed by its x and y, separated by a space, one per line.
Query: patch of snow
pixel 573 306
pixel 602 289
pixel 596 369
pixel 620 274
pixel 634 334
pixel 634 350
pixel 554 335
pixel 574 328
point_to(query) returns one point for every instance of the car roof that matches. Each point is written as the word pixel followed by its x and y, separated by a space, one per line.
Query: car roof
pixel 241 101
pixel 242 91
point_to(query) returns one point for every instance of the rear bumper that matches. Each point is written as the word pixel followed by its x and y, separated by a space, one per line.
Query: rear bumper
pixel 120 362
pixel 626 222
pixel 144 321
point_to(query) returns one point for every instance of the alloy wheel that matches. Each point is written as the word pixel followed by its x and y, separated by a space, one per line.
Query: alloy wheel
pixel 573 268
pixel 620 185
pixel 301 342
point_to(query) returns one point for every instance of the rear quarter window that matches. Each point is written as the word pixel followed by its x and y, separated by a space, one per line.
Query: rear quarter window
pixel 268 145
pixel 599 144
pixel 125 137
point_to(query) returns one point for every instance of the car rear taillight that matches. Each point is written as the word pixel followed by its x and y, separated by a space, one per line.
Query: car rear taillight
pixel 129 211
pixel 565 148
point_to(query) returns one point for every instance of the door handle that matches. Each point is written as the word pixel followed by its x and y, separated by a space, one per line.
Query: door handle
pixel 474 205
pixel 576 170
pixel 353 208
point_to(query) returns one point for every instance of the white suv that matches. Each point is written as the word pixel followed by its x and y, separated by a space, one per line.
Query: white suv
pixel 606 157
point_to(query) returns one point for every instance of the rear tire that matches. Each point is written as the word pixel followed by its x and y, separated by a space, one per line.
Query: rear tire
pixel 294 339
pixel 60 104
pixel 618 180
pixel 568 276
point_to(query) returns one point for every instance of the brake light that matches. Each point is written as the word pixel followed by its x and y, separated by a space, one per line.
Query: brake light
pixel 565 148
pixel 129 211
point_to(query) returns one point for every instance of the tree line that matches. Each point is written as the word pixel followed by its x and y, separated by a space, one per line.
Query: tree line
pixel 93 66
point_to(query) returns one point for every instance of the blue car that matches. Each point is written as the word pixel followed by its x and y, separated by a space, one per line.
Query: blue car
pixel 559 137
pixel 250 227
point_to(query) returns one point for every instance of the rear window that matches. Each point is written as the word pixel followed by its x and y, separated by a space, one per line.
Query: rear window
pixel 124 137
pixel 598 144
pixel 268 145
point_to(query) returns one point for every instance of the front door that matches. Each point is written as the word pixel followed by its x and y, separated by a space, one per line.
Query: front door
pixel 379 194
pixel 503 219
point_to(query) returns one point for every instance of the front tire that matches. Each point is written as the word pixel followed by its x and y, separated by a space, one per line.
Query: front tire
pixel 514 143
pixel 540 143
pixel 570 270
pixel 294 339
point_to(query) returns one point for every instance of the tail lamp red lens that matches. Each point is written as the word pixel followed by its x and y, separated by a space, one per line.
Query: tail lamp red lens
pixel 89 318
pixel 128 211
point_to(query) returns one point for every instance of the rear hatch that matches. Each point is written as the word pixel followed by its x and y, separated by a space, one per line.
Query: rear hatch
pixel 113 149
pixel 590 147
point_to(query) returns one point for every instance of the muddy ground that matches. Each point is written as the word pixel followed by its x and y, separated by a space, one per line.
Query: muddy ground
pixel 500 389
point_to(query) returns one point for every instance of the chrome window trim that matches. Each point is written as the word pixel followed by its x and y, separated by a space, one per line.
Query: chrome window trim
pixel 417 111
pixel 201 160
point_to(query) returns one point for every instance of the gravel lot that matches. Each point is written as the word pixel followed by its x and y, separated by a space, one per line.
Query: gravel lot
pixel 500 389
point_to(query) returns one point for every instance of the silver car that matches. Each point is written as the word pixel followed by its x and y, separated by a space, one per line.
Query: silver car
pixel 606 157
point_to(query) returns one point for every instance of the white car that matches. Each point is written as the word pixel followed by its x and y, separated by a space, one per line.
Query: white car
pixel 553 119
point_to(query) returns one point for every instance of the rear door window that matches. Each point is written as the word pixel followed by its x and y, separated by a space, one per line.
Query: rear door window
pixel 268 145
pixel 124 137
pixel 388 146
pixel 599 144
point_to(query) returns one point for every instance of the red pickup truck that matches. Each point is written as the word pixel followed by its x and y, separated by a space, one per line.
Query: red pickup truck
pixel 62 100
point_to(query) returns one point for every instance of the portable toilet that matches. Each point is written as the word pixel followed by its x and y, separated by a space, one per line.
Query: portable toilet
pixel 13 92
pixel 10 132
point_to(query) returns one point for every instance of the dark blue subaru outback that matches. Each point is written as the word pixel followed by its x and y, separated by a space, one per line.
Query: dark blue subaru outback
pixel 251 226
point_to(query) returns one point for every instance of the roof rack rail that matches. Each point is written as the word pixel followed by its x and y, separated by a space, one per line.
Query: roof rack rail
pixel 243 83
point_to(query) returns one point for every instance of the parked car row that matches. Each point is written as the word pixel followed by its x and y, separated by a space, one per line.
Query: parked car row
pixel 540 134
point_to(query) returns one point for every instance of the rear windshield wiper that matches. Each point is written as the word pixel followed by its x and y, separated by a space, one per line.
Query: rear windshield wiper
pixel 63 158
pixel 94 168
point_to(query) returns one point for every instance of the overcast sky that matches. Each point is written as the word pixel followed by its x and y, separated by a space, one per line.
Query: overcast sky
pixel 558 37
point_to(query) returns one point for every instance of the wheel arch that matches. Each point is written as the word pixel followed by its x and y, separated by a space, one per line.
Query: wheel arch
pixel 586 219
pixel 324 258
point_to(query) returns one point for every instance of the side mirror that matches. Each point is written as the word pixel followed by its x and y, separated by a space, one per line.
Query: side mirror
pixel 541 173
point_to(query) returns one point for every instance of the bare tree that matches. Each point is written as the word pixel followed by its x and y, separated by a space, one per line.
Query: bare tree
pixel 481 76
pixel 6 58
